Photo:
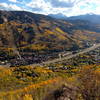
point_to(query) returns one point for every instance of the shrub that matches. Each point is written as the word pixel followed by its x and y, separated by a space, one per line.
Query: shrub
pixel 89 83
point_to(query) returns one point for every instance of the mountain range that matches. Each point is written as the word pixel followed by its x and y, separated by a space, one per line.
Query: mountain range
pixel 28 34
pixel 89 17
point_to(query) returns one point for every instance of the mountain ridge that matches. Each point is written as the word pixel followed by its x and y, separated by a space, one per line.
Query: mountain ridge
pixel 94 18
pixel 35 36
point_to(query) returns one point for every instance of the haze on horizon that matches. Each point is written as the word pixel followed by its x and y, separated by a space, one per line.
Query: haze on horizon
pixel 66 7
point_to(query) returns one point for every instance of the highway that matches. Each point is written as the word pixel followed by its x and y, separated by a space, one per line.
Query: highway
pixel 69 56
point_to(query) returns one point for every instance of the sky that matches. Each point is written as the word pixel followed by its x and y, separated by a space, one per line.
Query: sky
pixel 65 7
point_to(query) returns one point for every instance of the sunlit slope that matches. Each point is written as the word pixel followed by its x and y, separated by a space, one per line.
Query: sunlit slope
pixel 18 28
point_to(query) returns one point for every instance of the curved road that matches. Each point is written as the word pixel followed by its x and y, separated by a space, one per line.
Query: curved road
pixel 69 57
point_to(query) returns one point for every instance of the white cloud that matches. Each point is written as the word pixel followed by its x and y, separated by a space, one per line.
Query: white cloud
pixel 3 5
pixel 71 7
pixel 15 7
pixel 13 1
pixel 46 7
pixel 9 6
pixel 38 4
pixel 41 6
pixel 83 7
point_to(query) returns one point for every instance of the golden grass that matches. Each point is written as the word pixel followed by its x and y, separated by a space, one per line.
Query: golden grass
pixel 28 92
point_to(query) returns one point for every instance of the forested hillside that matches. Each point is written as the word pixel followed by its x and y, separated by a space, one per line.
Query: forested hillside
pixel 23 34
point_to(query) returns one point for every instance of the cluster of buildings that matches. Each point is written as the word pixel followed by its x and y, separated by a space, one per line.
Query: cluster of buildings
pixel 28 58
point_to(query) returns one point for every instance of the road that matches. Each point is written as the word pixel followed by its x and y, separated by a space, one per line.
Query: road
pixel 70 56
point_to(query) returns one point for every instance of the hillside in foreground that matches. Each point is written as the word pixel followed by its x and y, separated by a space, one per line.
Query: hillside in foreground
pixel 36 83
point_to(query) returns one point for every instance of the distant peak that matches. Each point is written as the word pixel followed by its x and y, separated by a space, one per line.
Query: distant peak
pixel 58 15
pixel 91 14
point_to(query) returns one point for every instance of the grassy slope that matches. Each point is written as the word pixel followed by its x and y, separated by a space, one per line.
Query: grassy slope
pixel 26 82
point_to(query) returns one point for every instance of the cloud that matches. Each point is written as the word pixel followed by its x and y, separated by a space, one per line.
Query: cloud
pixel 39 6
pixel 62 3
pixel 90 6
pixel 9 6
pixel 15 7
pixel 66 7
pixel 13 1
